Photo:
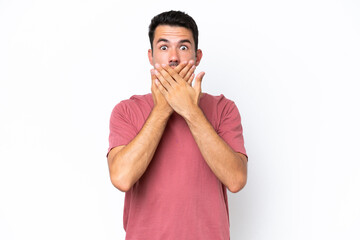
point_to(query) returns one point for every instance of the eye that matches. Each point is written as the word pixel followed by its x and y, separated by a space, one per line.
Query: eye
pixel 183 47
pixel 163 47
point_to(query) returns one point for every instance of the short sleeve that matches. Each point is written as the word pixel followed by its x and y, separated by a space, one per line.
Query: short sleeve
pixel 122 129
pixel 230 128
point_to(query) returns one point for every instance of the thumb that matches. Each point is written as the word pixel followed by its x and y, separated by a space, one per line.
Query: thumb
pixel 198 80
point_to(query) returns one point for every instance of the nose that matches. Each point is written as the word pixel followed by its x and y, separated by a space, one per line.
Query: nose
pixel 173 57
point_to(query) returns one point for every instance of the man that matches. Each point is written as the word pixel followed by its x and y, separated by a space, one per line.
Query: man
pixel 175 151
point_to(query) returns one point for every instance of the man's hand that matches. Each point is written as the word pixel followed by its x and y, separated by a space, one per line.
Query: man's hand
pixel 177 90
pixel 185 70
pixel 160 102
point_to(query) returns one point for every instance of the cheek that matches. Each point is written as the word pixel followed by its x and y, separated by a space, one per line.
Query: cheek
pixel 187 56
pixel 159 57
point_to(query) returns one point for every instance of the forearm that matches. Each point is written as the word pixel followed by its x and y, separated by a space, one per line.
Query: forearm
pixel 129 163
pixel 230 167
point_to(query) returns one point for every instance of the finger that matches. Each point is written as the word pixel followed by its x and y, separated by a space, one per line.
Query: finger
pixel 189 73
pixel 160 87
pixel 191 79
pixel 198 81
pixel 168 71
pixel 162 80
pixel 165 74
pixel 185 70
pixel 153 77
pixel 179 67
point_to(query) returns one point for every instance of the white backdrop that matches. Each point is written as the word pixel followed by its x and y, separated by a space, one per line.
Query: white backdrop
pixel 292 68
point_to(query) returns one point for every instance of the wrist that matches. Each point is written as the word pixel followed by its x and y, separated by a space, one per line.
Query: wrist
pixel 193 114
pixel 162 112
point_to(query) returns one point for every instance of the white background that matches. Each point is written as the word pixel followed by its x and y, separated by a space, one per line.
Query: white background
pixel 292 67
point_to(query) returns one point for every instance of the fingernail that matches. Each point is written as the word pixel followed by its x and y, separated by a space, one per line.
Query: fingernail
pixel 157 65
pixel 191 62
pixel 155 71
pixel 163 65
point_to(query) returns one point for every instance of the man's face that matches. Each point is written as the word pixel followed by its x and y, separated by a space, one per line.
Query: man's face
pixel 172 45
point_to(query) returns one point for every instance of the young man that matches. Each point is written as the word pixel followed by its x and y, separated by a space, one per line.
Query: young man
pixel 175 151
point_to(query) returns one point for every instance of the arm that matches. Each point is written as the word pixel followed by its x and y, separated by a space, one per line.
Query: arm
pixel 128 163
pixel 229 167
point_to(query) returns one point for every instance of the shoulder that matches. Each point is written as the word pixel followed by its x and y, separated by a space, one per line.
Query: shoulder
pixel 216 108
pixel 135 109
pixel 219 102
pixel 135 103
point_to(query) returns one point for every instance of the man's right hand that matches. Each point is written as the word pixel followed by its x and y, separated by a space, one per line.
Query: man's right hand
pixel 186 71
pixel 160 102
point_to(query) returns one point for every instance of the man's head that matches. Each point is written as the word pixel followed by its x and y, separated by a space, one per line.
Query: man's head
pixel 173 38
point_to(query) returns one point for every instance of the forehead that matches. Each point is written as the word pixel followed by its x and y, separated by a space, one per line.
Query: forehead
pixel 173 33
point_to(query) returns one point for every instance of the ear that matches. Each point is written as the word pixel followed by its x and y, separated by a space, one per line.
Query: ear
pixel 198 57
pixel 150 56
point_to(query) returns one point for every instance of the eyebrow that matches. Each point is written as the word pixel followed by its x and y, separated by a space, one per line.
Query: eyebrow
pixel 185 41
pixel 181 41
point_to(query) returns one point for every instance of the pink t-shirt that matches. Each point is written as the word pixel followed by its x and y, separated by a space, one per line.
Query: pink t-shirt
pixel 178 196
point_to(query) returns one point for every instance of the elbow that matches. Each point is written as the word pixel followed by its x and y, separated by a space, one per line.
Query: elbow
pixel 240 176
pixel 237 185
pixel 120 183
